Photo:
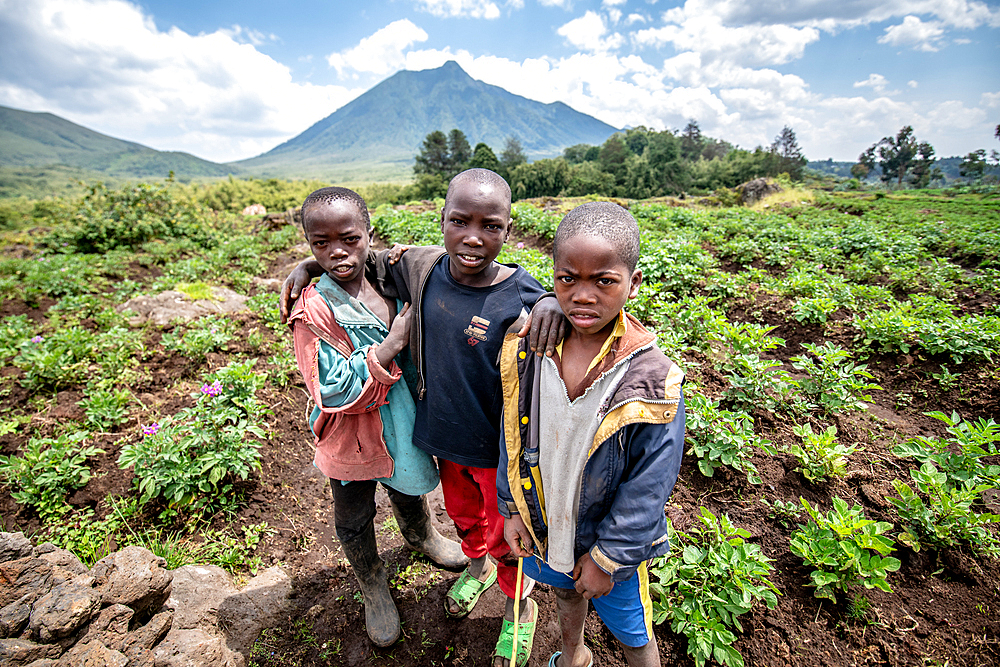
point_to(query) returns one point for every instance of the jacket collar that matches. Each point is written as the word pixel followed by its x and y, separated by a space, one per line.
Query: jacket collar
pixel 348 311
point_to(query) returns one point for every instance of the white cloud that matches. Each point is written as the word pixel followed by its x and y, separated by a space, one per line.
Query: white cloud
pixel 565 4
pixel 632 19
pixel 876 82
pixel 747 45
pixel 912 84
pixel 381 52
pixel 105 65
pixel 613 3
pixel 460 8
pixel 831 16
pixel 913 31
pixel 587 33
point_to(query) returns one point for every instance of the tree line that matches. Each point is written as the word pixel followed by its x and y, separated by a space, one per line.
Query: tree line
pixel 637 163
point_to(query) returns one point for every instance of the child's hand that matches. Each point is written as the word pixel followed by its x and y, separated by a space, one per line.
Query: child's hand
pixel 396 251
pixel 397 339
pixel 591 581
pixel 517 536
pixel 297 280
pixel 547 326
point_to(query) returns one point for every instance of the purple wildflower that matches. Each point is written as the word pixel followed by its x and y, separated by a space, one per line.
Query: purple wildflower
pixel 213 389
pixel 151 429
pixel 520 245
pixel 38 339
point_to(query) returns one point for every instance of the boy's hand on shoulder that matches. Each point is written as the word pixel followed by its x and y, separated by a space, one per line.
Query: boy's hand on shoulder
pixel 517 536
pixel 545 327
pixel 297 280
pixel 591 581
pixel 396 251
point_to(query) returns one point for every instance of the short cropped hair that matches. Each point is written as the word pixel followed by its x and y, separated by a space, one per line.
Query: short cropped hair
pixel 481 177
pixel 604 220
pixel 326 196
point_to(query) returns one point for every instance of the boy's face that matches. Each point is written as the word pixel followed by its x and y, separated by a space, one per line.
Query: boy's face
pixel 475 222
pixel 339 240
pixel 592 283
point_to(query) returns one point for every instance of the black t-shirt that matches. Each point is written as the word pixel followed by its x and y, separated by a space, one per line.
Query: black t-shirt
pixel 459 417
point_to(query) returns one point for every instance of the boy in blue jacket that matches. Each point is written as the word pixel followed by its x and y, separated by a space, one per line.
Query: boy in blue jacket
pixel 592 442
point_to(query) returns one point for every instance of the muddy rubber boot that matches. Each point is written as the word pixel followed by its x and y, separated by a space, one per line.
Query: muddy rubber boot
pixel 414 519
pixel 381 616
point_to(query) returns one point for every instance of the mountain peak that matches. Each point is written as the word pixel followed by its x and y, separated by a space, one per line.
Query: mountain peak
pixel 387 124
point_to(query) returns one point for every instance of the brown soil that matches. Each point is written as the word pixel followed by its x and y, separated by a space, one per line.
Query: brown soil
pixel 944 608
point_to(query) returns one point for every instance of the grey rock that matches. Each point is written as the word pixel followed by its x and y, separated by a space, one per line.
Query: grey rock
pixel 171 305
pixel 109 627
pixel 44 662
pixel 755 190
pixel 14 546
pixel 196 594
pixel 93 654
pixel 14 617
pixel 25 576
pixel 149 635
pixel 62 559
pixel 133 577
pixel 259 605
pixel 194 648
pixel 21 652
pixel 64 609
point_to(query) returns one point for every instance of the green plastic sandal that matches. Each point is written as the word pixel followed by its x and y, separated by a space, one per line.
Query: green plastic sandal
pixel 525 638
pixel 466 591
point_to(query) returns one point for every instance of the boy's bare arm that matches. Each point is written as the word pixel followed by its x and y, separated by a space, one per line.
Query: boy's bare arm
pixel 591 581
pixel 397 338
pixel 297 280
pixel 545 327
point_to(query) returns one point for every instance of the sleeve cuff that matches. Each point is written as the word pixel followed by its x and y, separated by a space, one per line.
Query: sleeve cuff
pixel 378 373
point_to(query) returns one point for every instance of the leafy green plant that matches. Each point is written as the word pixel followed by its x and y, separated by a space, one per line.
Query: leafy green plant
pixel 74 355
pixel 720 437
pixel 106 408
pixel 202 336
pixel 14 331
pixel 191 458
pixel 784 512
pixel 820 456
pixel 81 532
pixel 834 384
pixel 960 456
pixel 946 519
pixel 845 548
pixel 757 383
pixel 717 577
pixel 47 470
pixel 814 310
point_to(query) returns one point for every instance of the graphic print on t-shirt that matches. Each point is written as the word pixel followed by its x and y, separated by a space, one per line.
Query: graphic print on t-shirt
pixel 476 331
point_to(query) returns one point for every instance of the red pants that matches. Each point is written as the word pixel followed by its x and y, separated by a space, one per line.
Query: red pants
pixel 470 498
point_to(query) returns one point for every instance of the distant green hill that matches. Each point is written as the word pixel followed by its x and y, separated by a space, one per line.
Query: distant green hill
pixel 30 140
pixel 379 133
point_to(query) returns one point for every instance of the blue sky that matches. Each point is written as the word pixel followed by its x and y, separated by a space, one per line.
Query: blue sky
pixel 229 80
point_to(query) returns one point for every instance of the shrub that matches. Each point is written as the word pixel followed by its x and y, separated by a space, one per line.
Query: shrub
pixel 704 590
pixel 722 438
pixel 48 469
pixel 835 384
pixel 820 456
pixel 959 457
pixel 946 519
pixel 845 548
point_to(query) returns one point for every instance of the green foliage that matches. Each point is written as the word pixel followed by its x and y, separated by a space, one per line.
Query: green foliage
pixel 907 326
pixel 75 355
pixel 191 458
pixel 81 532
pixel 756 383
pixel 534 221
pixel 703 591
pixel 820 456
pixel 845 548
pixel 722 438
pixel 398 226
pixel 204 335
pixel 128 217
pixel 784 512
pixel 106 408
pixel 14 331
pixel 47 470
pixel 834 383
pixel 48 275
pixel 960 456
pixel 946 519
pixel 814 310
